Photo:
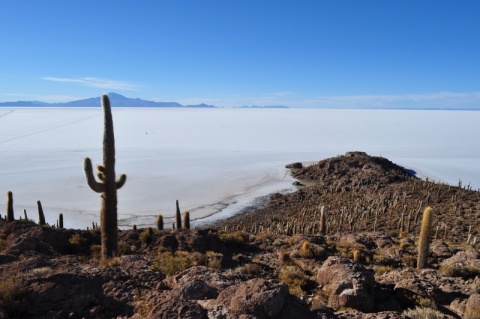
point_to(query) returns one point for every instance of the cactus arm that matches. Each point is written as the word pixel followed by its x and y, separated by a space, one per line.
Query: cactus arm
pixel 94 185
pixel 121 180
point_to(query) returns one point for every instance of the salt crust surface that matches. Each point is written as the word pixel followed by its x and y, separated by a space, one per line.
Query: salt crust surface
pixel 214 161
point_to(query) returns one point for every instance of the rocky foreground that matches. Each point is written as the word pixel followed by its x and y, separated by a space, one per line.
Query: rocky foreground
pixel 271 262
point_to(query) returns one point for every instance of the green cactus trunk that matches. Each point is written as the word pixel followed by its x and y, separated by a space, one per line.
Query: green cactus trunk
pixel 10 215
pixel 108 187
pixel 424 236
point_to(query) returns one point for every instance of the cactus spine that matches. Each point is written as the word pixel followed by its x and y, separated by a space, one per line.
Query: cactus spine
pixel 178 216
pixel 10 216
pixel 108 185
pixel 186 220
pixel 424 236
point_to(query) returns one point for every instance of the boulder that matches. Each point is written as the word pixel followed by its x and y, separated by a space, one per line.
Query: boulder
pixel 256 298
pixel 440 249
pixel 347 283
pixel 472 308
pixel 296 165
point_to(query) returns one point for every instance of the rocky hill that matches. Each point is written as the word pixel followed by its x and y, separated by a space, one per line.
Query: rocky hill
pixel 271 262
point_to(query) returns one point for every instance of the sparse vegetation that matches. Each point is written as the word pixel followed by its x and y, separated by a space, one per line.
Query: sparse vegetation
pixel 462 271
pixel 233 238
pixel 294 278
pixel 169 263
pixel 423 313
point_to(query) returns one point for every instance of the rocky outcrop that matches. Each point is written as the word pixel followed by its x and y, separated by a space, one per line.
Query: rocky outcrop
pixel 348 284
pixel 256 298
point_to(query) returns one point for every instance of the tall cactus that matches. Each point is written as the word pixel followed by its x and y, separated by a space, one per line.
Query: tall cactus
pixel 41 215
pixel 108 185
pixel 10 216
pixel 178 216
pixel 424 236
pixel 323 222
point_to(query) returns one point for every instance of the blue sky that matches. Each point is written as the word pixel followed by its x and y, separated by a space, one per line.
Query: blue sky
pixel 320 53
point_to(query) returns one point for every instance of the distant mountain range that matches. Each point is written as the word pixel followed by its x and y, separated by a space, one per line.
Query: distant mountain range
pixel 118 100
pixel 115 100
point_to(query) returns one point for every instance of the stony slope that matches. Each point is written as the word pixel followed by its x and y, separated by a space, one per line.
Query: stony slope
pixel 365 193
pixel 278 267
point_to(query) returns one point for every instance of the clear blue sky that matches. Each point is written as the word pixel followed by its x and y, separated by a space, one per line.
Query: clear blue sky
pixel 325 53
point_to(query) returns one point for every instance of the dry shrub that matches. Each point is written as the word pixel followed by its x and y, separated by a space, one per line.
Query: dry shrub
pixel 146 237
pixel 236 238
pixel 264 235
pixel 9 291
pixel 250 268
pixel 383 269
pixel 124 249
pixel 142 305
pixel 77 240
pixel 309 250
pixel 423 313
pixel 213 260
pixel 465 272
pixel 172 263
pixel 294 278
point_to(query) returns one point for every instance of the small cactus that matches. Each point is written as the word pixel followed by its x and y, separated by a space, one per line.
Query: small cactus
pixel 357 255
pixel 178 216
pixel 60 220
pixel 424 236
pixel 10 216
pixel 186 220
pixel 159 222
pixel 108 185
pixel 41 216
